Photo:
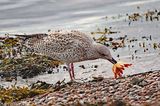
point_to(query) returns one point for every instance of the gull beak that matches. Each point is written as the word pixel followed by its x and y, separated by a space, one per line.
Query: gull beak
pixel 113 61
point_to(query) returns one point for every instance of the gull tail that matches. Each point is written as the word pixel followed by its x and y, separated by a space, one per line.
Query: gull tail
pixel 30 39
pixel 38 36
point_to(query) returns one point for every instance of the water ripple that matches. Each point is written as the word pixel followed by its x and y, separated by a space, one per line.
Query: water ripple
pixel 40 15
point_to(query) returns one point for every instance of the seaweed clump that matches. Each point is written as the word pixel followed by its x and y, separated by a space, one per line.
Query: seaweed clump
pixel 15 93
pixel 27 66
pixel 17 60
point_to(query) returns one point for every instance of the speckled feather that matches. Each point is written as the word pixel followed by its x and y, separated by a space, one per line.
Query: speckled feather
pixel 65 46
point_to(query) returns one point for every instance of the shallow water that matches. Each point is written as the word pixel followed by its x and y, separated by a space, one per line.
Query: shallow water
pixel 31 16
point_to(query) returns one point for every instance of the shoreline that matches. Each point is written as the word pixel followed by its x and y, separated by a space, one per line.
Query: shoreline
pixel 136 90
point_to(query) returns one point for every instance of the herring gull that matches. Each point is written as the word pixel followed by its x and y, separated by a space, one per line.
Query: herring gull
pixel 69 47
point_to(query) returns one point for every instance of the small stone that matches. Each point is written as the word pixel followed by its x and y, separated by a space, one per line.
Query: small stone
pixel 131 93
pixel 129 85
pixel 103 92
pixel 113 83
pixel 41 100
pixel 87 91
pixel 49 72
pixel 36 100
pixel 105 89
pixel 66 93
pixel 147 97
pixel 81 102
pixel 136 86
pixel 82 66
pixel 112 91
pixel 50 103
pixel 143 83
pixel 136 81
pixel 96 66
pixel 118 103
pixel 116 86
pixel 59 99
pixel 81 91
pixel 92 90
pixel 81 95
pixel 73 90
pixel 149 101
pixel 99 78
pixel 64 100
pixel 75 97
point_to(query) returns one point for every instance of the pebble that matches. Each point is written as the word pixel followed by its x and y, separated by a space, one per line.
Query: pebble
pixel 81 91
pixel 112 91
pixel 66 94
pixel 105 89
pixel 89 91
pixel 147 97
pixel 133 90
pixel 143 83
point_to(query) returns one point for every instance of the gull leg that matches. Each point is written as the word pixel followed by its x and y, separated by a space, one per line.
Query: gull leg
pixel 70 73
pixel 72 70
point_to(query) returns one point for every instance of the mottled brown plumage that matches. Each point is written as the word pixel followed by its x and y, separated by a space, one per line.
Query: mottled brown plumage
pixel 68 47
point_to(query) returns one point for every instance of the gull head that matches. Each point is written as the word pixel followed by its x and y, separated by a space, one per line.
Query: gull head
pixel 104 53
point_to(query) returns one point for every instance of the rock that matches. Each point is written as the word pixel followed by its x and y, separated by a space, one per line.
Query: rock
pixel 116 86
pixel 143 83
pixel 81 91
pixel 75 97
pixel 81 102
pixel 105 89
pixel 73 90
pixel 100 78
pixel 41 101
pixel 93 90
pixel 49 99
pixel 51 103
pixel 82 66
pixel 129 85
pixel 118 103
pixel 59 99
pixel 113 83
pixel 112 91
pixel 66 93
pixel 90 91
pixel 96 66
pixel 136 87
pixel 147 97
pixel 81 96
pixel 136 81
pixel 49 72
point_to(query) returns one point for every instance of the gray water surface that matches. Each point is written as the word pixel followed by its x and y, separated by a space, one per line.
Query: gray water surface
pixel 30 16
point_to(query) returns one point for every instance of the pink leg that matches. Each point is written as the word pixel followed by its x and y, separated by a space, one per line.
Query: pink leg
pixel 70 73
pixel 72 70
